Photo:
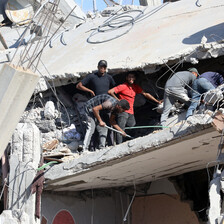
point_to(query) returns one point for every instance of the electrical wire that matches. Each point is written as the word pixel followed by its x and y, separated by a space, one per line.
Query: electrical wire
pixel 4 185
pixel 133 197
pixel 56 36
pixel 118 21
pixel 152 126
pixel 197 3
pixel 55 93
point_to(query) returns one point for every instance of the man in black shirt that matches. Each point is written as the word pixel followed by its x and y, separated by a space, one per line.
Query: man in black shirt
pixel 97 83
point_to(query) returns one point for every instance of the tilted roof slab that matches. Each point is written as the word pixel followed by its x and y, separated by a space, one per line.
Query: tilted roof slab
pixel 167 32
pixel 164 34
pixel 169 152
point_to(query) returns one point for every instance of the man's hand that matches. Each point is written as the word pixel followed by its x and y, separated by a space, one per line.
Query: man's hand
pixel 124 134
pixel 102 124
pixel 92 93
pixel 80 86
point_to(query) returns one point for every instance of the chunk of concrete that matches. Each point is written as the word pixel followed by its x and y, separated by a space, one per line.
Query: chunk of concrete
pixel 16 88
pixel 218 121
pixel 24 160
pixel 49 110
pixel 14 217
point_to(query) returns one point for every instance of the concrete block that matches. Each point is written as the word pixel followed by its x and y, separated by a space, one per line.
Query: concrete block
pixel 49 110
pixel 16 88
pixel 24 160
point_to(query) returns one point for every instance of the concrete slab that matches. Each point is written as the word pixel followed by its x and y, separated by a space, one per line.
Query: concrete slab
pixel 172 31
pixel 164 34
pixel 16 88
pixel 180 149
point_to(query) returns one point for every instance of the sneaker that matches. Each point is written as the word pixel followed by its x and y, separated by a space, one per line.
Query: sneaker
pixel 80 148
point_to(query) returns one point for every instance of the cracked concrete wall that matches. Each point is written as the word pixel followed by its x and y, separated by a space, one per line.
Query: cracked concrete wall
pixel 24 160
pixel 16 87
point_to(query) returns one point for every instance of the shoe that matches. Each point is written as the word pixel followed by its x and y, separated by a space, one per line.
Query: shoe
pixel 80 148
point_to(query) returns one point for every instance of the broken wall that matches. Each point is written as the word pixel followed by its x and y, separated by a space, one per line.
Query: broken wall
pixel 159 209
pixel 103 206
pixel 157 202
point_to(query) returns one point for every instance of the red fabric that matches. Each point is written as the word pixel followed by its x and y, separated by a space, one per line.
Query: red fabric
pixel 128 92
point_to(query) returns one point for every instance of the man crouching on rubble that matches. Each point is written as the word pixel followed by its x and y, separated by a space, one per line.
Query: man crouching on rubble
pixel 176 89
pixel 93 106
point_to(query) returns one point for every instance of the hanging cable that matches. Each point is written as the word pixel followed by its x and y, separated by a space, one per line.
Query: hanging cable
pixel 133 197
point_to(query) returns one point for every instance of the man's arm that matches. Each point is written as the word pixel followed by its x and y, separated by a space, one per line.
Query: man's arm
pixel 150 97
pixel 80 86
pixel 115 125
pixel 112 93
pixel 96 113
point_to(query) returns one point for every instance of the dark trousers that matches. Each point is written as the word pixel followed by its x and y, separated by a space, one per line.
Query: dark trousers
pixel 123 120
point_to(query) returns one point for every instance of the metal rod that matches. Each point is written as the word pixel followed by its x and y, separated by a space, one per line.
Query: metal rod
pixel 153 126
pixel 112 129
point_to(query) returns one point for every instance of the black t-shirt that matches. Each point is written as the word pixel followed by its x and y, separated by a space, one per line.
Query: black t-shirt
pixel 99 84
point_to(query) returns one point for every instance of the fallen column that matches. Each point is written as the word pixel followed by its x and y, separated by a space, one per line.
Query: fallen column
pixel 16 88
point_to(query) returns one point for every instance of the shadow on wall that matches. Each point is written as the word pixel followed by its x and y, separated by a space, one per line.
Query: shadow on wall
pixel 213 33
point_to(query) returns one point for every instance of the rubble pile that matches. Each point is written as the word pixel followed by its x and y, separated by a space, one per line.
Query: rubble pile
pixel 59 135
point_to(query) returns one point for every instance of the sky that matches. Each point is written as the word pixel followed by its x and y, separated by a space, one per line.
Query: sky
pixel 100 4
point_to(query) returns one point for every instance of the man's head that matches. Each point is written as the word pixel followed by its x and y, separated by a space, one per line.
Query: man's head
pixel 122 105
pixel 102 66
pixel 130 78
pixel 194 71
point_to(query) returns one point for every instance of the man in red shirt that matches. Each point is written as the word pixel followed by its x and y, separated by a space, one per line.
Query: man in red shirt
pixel 128 91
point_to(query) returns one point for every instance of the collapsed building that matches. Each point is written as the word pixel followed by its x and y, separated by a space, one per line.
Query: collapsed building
pixel 160 175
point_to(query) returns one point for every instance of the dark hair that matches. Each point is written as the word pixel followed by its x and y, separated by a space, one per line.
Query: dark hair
pixel 102 63
pixel 128 73
pixel 124 104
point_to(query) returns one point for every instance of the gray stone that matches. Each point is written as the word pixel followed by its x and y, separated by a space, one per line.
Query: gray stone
pixel 46 125
pixel 73 145
pixel 49 110
pixel 24 160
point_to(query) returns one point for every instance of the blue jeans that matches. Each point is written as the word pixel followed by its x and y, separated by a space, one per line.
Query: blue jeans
pixel 124 119
pixel 199 87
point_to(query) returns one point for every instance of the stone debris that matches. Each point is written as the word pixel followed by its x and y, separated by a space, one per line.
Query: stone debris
pixel 218 121
pixel 49 110
pixel 65 150
pixel 50 145
pixel 58 157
